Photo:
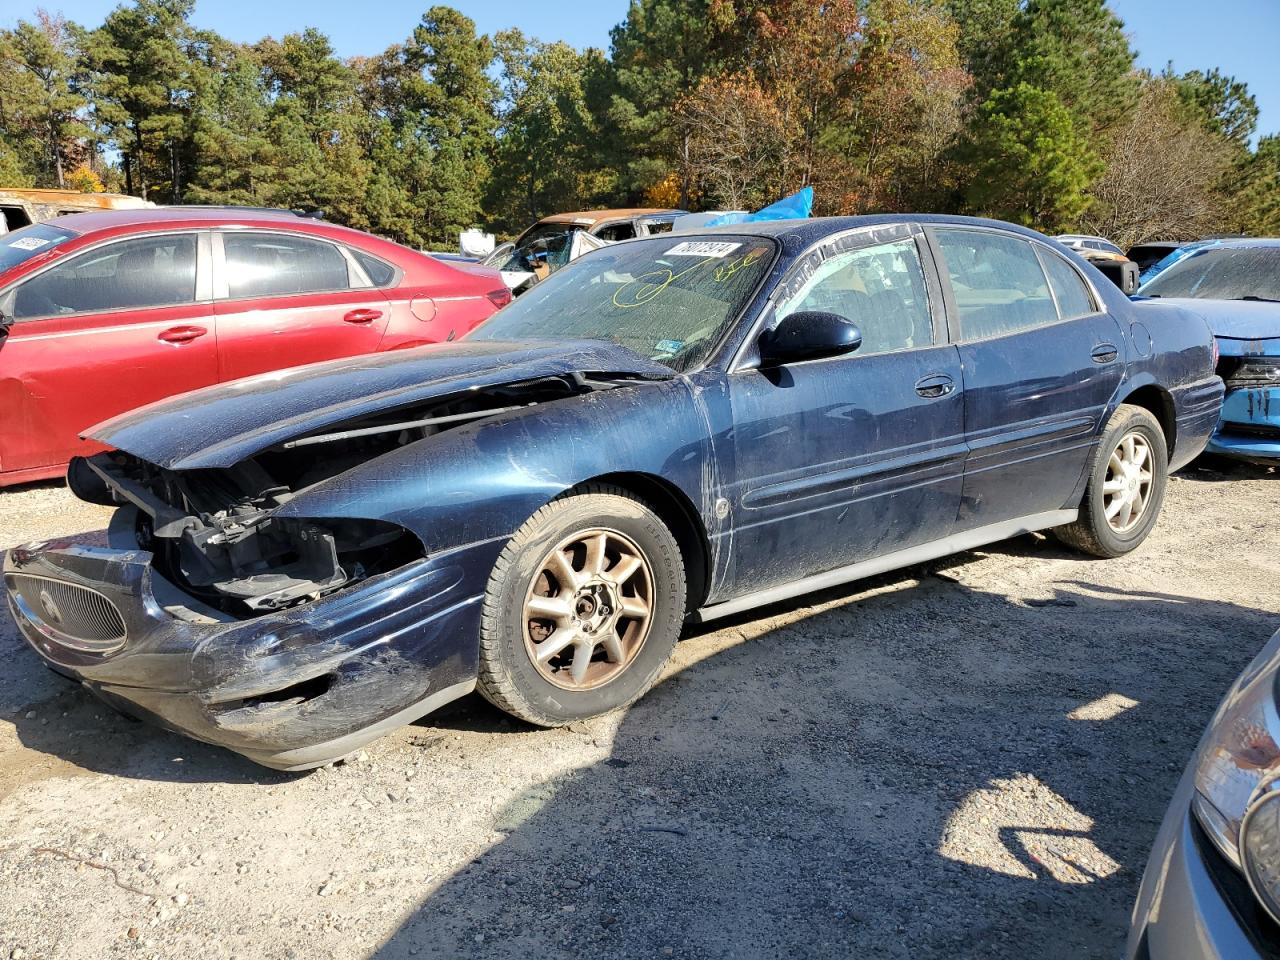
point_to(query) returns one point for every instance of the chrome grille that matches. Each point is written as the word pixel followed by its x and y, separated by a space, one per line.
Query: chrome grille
pixel 75 616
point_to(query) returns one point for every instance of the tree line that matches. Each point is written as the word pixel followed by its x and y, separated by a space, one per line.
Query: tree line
pixel 1027 110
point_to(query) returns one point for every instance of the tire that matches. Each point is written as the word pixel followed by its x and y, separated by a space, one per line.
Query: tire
pixel 1094 532
pixel 519 670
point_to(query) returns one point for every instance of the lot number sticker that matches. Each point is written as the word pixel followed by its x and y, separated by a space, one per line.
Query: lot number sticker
pixel 28 243
pixel 702 248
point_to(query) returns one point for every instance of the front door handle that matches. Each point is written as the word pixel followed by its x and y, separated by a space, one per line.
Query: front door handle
pixel 363 315
pixel 1105 353
pixel 935 385
pixel 182 334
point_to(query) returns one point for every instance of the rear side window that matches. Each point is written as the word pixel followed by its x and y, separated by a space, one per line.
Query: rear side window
pixel 380 273
pixel 273 265
pixel 616 232
pixel 1074 299
pixel 131 274
pixel 879 288
pixel 998 283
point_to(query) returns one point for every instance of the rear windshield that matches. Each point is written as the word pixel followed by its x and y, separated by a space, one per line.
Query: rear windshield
pixel 1221 273
pixel 22 245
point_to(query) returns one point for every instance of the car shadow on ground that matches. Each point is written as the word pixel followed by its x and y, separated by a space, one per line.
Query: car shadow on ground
pixel 885 776
pixel 869 771
pixel 1210 468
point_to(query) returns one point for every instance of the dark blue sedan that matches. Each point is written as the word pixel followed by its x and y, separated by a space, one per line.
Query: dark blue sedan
pixel 684 426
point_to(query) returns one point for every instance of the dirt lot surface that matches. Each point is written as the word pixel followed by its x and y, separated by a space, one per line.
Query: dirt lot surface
pixel 968 758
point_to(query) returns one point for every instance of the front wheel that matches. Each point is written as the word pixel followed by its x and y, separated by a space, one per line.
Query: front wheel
pixel 582 610
pixel 1127 480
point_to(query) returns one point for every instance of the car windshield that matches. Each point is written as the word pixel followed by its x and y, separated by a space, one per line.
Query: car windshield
pixel 1221 273
pixel 666 299
pixel 22 245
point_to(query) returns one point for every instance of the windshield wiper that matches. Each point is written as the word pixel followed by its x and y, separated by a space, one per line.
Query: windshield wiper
pixel 1257 299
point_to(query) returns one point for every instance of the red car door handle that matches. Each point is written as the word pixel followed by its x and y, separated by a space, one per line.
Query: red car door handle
pixel 362 316
pixel 182 334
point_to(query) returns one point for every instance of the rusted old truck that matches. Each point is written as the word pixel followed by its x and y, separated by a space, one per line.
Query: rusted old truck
pixel 23 207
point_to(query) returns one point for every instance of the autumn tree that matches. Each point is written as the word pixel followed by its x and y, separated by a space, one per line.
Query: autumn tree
pixel 1163 171
pixel 906 104
pixel 737 141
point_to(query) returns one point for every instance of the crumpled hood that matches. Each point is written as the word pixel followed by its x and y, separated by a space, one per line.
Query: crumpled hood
pixel 223 425
pixel 1235 319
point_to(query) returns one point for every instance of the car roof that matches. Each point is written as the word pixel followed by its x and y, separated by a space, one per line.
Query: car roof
pixel 598 216
pixel 110 219
pixel 1242 242
pixel 797 234
pixel 75 198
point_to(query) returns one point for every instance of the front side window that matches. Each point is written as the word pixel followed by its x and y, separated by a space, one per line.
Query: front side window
pixel 1074 299
pixel 131 274
pixel 276 265
pixel 879 288
pixel 997 281
pixel 666 298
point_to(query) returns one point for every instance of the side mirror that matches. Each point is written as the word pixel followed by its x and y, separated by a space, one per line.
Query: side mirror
pixel 808 335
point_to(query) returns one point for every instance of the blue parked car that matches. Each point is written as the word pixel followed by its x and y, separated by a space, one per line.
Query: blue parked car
pixel 673 427
pixel 1235 286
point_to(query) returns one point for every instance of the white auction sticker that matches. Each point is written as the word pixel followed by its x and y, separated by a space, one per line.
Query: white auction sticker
pixel 702 248
pixel 28 243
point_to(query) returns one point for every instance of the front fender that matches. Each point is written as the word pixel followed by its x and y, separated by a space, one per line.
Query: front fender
pixel 485 479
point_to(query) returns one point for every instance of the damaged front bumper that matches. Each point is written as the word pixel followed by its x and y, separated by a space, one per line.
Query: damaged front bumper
pixel 1250 425
pixel 292 689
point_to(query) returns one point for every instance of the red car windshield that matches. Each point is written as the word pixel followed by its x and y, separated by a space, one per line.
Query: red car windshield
pixel 22 245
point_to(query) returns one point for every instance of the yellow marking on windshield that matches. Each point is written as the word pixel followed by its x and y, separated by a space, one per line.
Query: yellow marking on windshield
pixel 648 288
pixel 727 270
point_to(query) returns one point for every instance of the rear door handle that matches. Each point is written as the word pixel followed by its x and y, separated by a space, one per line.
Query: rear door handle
pixel 935 385
pixel 362 315
pixel 1105 353
pixel 182 334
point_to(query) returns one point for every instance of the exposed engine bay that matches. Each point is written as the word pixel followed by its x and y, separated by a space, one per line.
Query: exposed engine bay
pixel 214 532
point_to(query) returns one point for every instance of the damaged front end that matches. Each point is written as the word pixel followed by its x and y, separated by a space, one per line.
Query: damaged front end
pixel 237 619
pixel 215 535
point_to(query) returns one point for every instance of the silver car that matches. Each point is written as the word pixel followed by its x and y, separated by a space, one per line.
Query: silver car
pixel 1212 885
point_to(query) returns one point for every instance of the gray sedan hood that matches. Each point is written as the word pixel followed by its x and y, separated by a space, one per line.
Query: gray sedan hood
pixel 223 425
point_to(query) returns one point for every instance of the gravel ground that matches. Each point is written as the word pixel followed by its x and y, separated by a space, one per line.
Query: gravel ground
pixel 966 758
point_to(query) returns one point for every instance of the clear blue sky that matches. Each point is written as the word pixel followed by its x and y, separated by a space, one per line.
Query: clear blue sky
pixel 1240 37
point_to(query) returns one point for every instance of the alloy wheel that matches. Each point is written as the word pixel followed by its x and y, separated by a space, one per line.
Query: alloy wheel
pixel 1126 489
pixel 588 609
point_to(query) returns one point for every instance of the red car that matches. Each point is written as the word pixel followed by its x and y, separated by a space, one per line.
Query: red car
pixel 103 312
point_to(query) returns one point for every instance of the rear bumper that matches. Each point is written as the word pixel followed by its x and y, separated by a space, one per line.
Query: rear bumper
pixel 290 690
pixel 1250 424
pixel 1198 407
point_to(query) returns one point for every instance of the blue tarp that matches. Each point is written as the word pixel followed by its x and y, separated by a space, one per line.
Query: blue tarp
pixel 798 206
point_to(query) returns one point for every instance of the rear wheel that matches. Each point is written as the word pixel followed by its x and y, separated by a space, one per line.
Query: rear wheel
pixel 583 608
pixel 1127 480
